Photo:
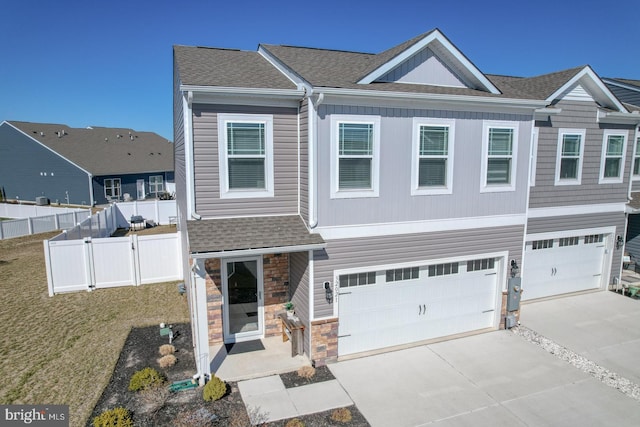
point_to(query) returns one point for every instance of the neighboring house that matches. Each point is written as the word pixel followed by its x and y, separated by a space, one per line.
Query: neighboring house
pixel 82 166
pixel 388 195
pixel 628 91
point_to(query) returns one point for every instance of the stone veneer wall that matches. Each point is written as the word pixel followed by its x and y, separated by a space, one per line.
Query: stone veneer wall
pixel 324 341
pixel 276 290
pixel 214 300
pixel 276 287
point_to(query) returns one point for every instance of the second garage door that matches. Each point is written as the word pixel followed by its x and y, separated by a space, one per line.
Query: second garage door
pixel 384 308
pixel 563 265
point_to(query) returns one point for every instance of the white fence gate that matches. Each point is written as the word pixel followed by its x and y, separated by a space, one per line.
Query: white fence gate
pixel 87 264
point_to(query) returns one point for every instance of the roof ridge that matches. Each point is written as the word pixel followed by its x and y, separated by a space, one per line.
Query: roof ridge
pixel 317 48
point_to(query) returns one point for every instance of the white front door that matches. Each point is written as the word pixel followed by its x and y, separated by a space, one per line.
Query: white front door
pixel 243 305
pixel 140 188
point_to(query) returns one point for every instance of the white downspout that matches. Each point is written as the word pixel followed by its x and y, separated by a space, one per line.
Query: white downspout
pixel 187 103
pixel 313 150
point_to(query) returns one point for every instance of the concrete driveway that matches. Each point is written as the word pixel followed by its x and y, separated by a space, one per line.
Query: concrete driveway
pixel 500 379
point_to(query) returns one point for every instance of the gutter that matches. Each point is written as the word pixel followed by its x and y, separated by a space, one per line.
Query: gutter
pixel 279 93
pixel 442 98
pixel 258 251
pixel 618 117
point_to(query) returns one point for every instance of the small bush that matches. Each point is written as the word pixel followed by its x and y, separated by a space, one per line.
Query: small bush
pixel 306 372
pixel 342 415
pixel 146 378
pixel 116 417
pixel 296 422
pixel 166 361
pixel 214 389
pixel 155 398
pixel 166 349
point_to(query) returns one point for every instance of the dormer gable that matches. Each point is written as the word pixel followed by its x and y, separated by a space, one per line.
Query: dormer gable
pixel 587 86
pixel 429 59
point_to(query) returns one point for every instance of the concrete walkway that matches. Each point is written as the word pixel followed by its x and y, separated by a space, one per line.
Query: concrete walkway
pixel 268 400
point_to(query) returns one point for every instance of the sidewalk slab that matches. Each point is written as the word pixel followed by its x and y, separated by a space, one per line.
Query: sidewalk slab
pixel 319 397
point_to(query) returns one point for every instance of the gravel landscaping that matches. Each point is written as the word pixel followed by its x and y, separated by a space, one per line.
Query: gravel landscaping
pixel 580 362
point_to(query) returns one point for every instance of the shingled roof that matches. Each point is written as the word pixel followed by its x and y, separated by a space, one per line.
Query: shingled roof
pixel 203 66
pixel 246 233
pixel 104 151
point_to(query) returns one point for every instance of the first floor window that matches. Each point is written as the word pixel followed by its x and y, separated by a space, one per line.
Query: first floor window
pixel 112 188
pixel 156 184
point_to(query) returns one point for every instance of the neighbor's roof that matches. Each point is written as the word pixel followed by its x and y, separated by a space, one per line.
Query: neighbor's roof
pixel 104 151
pixel 235 234
pixel 203 66
pixel 627 81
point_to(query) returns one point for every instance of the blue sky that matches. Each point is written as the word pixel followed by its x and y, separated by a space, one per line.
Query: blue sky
pixel 109 63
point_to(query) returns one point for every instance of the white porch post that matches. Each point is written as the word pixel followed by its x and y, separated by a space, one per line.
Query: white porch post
pixel 199 319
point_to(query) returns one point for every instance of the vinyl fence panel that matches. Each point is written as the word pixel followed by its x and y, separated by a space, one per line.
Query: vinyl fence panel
pixel 113 262
pixel 68 266
pixel 159 257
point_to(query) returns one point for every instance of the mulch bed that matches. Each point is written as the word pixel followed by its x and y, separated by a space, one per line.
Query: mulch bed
pixel 187 408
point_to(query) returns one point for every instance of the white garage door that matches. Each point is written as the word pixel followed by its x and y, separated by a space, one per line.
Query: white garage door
pixel 385 308
pixel 564 265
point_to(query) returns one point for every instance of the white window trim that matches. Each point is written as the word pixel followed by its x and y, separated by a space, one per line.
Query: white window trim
pixel 225 192
pixel 494 188
pixel 636 154
pixel 113 181
pixel 583 137
pixel 620 178
pixel 416 190
pixel 374 191
pixel 155 184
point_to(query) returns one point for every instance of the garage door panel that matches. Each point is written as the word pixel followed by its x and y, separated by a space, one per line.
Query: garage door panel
pixel 395 313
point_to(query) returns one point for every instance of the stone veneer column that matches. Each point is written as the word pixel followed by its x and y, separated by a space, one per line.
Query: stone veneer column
pixel 324 341
pixel 214 300
pixel 275 269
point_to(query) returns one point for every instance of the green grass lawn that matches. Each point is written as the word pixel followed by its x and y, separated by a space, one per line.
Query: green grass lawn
pixel 62 349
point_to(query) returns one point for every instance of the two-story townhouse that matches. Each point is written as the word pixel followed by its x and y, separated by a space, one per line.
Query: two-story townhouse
pixel 387 195
pixel 628 91
pixel 581 164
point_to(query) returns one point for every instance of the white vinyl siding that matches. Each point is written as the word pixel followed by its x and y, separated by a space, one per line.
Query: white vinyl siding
pixel 432 163
pixel 613 148
pixel 355 146
pixel 499 147
pixel 246 155
pixel 569 156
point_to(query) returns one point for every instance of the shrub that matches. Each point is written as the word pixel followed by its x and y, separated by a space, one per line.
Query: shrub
pixel 166 349
pixel 166 361
pixel 146 378
pixel 154 398
pixel 116 417
pixel 214 389
pixel 306 372
pixel 342 415
pixel 296 422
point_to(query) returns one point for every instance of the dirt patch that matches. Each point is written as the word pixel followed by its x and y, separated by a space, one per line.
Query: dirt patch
pixel 292 379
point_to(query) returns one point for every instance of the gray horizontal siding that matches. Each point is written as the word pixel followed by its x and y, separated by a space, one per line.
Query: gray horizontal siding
pixel 304 160
pixel 576 115
pixel 395 202
pixel 581 222
pixel 376 251
pixel 206 165
pixel 299 290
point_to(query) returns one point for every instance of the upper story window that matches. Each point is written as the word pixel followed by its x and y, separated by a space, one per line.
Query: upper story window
pixel 355 147
pixel 499 146
pixel 612 163
pixel 432 165
pixel 569 156
pixel 112 188
pixel 156 184
pixel 246 155
pixel 636 160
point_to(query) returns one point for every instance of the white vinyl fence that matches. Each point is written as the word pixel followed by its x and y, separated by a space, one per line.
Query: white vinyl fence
pixel 84 257
pixel 37 219
pixel 87 264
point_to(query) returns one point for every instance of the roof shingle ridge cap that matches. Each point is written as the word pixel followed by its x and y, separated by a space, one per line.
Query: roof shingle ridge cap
pixel 266 45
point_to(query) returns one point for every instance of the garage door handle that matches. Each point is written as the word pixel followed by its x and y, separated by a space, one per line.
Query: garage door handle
pixel 344 293
pixel 344 336
pixel 419 310
pixel 491 274
pixel 488 311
